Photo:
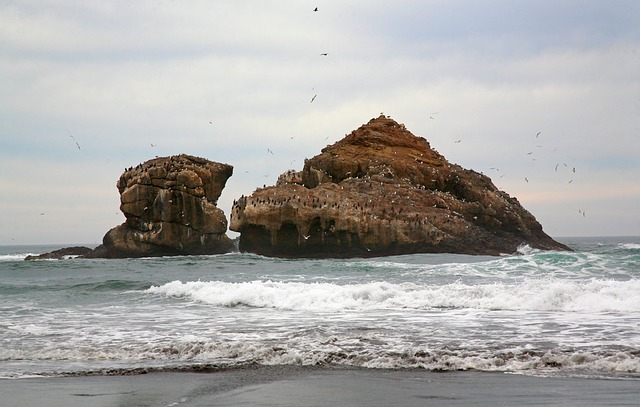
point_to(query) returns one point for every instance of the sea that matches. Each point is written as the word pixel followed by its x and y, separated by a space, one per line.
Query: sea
pixel 540 313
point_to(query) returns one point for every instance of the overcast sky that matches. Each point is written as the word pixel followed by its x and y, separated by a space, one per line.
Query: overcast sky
pixel 231 80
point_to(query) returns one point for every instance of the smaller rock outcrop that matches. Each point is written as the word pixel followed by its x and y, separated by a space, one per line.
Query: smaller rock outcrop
pixel 170 209
pixel 65 253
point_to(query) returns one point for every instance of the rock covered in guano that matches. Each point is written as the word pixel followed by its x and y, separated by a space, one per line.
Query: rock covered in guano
pixel 383 191
pixel 170 209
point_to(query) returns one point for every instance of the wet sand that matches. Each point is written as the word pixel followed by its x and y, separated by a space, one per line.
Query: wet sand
pixel 285 386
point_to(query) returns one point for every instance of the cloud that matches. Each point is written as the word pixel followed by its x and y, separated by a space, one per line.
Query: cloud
pixel 227 80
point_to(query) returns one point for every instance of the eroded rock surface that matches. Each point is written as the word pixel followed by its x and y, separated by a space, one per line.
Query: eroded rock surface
pixel 170 209
pixel 382 191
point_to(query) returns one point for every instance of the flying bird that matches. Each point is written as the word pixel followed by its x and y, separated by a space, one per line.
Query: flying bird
pixel 315 9
pixel 457 141
pixel 74 139
pixel 269 150
pixel 525 178
pixel 313 98
pixel 538 133
pixel 324 54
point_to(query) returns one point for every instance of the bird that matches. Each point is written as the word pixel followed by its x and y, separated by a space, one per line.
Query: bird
pixel 315 9
pixel 324 54
pixel 313 98
pixel 525 178
pixel 153 145
pixel 269 150
pixel 538 133
pixel 457 141
pixel 306 237
pixel 557 167
pixel 74 139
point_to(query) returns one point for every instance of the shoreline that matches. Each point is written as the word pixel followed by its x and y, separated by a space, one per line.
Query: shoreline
pixel 317 386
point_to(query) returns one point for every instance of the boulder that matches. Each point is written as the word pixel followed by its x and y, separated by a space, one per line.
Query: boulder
pixel 170 209
pixel 383 191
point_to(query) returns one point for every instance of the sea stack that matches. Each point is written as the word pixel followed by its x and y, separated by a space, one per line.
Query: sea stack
pixel 383 191
pixel 170 209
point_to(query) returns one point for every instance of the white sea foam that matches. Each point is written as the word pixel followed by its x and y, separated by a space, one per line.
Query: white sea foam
pixel 336 351
pixel 15 257
pixel 526 249
pixel 529 295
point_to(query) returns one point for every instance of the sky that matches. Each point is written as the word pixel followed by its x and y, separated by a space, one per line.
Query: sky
pixel 543 96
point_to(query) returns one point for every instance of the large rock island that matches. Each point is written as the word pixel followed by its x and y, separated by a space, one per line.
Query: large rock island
pixel 170 209
pixel 383 191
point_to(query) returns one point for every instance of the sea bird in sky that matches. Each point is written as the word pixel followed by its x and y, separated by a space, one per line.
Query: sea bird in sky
pixel 313 98
pixel 74 139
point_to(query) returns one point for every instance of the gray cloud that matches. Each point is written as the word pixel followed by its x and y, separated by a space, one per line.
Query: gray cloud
pixel 120 76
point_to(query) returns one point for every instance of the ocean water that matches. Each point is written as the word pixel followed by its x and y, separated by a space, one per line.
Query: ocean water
pixel 535 312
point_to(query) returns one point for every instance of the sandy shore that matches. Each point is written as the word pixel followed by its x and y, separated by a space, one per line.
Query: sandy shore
pixel 299 386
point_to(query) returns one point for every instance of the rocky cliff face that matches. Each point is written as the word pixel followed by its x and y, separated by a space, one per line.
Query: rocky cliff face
pixel 380 191
pixel 170 209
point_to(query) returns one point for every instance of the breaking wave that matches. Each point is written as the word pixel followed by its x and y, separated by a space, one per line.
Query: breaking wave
pixel 529 295
pixel 337 352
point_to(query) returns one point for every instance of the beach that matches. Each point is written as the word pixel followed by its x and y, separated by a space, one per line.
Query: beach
pixel 285 386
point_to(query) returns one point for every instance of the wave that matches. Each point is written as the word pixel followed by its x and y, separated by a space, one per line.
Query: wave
pixel 330 351
pixel 15 257
pixel 529 295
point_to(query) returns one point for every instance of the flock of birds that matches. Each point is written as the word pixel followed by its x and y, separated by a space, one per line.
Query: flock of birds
pixel 531 155
pixel 432 116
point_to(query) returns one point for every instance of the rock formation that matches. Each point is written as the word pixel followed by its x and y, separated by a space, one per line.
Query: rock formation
pixel 64 253
pixel 383 191
pixel 170 209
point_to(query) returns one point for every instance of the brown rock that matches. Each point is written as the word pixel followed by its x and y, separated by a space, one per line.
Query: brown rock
pixel 382 191
pixel 170 209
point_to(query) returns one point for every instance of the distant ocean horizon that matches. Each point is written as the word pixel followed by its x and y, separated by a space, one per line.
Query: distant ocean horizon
pixel 540 313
